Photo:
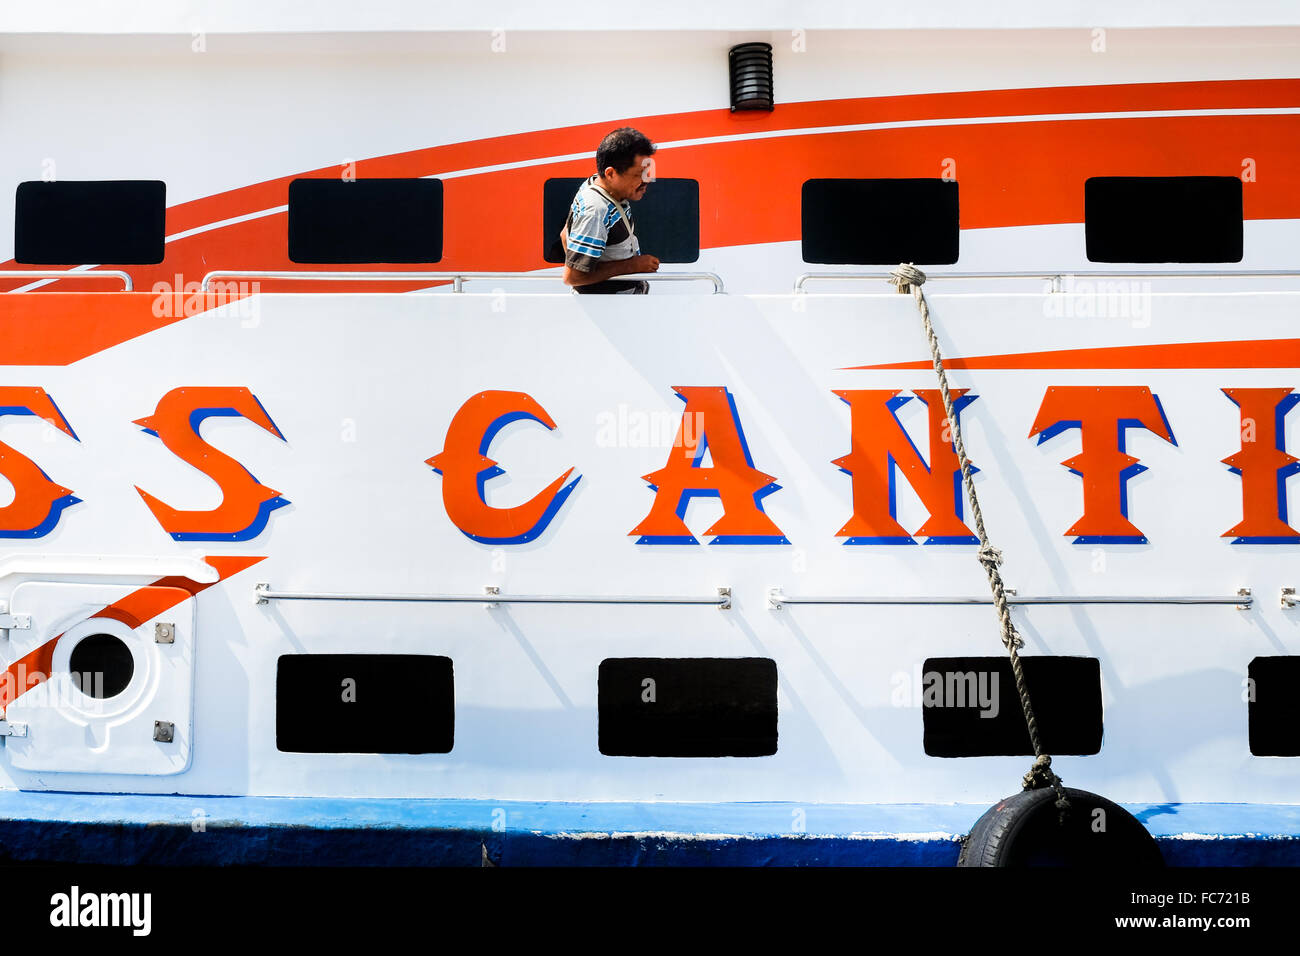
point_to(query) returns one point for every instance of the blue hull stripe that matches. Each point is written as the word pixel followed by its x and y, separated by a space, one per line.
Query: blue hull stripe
pixel 297 831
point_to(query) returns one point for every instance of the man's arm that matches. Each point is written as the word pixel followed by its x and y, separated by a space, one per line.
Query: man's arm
pixel 608 270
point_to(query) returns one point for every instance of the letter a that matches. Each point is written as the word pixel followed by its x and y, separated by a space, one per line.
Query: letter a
pixel 732 477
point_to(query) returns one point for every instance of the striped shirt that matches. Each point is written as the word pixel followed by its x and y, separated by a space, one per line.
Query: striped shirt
pixel 597 233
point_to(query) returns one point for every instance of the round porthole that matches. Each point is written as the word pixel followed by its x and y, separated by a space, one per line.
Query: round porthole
pixel 101 665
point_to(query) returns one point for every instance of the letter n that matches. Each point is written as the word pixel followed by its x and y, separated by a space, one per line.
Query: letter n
pixel 882 449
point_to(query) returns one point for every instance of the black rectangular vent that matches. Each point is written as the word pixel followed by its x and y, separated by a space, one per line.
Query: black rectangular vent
pixel 880 221
pixel 1274 706
pixel 970 707
pixel 666 219
pixel 365 220
pixel 364 703
pixel 1163 218
pixel 687 707
pixel 108 222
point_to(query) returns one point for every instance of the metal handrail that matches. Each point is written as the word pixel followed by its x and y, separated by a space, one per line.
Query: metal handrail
pixel 492 596
pixel 776 598
pixel 457 279
pixel 1048 276
pixel 67 274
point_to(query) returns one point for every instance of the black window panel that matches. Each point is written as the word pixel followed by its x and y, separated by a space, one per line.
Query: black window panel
pixel 109 222
pixel 702 707
pixel 1163 218
pixel 666 218
pixel 404 704
pixel 1065 691
pixel 365 220
pixel 880 221
pixel 1275 707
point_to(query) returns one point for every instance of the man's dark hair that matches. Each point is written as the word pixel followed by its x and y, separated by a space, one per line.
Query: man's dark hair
pixel 621 148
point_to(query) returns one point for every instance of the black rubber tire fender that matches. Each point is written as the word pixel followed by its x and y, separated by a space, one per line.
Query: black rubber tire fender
pixel 1025 829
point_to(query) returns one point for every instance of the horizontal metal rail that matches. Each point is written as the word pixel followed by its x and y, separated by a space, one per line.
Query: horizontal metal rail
pixel 492 596
pixel 68 274
pixel 1242 599
pixel 457 279
pixel 1055 278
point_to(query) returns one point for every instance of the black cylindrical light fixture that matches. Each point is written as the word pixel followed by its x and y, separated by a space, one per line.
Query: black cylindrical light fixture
pixel 751 76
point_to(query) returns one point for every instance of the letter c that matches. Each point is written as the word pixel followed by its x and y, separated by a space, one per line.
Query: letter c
pixel 465 469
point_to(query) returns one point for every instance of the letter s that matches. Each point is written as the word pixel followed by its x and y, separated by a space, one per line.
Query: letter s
pixel 246 504
pixel 38 502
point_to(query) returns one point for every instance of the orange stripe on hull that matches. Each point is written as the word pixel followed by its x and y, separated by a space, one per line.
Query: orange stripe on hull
pixel 671 127
pixel 1010 174
pixel 1259 353
pixel 59 328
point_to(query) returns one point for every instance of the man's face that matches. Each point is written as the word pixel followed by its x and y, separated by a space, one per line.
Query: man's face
pixel 632 182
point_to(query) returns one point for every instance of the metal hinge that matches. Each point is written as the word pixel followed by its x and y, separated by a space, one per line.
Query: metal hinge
pixel 8 729
pixel 13 622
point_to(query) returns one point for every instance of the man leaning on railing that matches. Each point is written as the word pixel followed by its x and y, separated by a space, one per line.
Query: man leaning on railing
pixel 598 238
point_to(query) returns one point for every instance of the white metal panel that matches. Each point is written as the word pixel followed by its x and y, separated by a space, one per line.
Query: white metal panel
pixel 69 731
pixel 363 388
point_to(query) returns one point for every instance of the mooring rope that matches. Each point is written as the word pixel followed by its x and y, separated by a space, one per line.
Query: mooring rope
pixel 908 278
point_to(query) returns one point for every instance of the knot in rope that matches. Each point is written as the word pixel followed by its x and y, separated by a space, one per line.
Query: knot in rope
pixel 1041 775
pixel 905 276
pixel 990 557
